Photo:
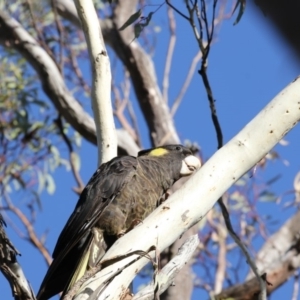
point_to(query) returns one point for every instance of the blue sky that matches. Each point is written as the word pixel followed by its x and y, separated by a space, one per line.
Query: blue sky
pixel 248 65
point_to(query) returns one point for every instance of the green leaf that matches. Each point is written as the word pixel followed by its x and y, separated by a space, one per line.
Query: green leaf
pixel 41 181
pixel 131 20
pixel 241 182
pixel 7 188
pixel 16 184
pixel 54 161
pixel 37 199
pixel 237 197
pixel 54 151
pixel 77 139
pixel 239 201
pixel 148 19
pixel 50 184
pixel 273 179
pixel 267 196
pixel 242 6
pixel 138 28
pixel 40 103
pixel 13 133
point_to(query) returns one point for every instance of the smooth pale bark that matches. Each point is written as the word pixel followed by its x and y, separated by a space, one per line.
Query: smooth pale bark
pixel 189 204
pixel 101 81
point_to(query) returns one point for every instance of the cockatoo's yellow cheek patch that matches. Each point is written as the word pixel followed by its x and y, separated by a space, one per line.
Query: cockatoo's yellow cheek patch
pixel 158 152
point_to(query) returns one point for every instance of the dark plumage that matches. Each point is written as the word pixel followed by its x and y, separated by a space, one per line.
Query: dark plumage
pixel 120 193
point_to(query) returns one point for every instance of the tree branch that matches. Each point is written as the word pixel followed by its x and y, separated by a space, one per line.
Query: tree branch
pixel 167 275
pixel 101 101
pixel 190 204
pixel 11 269
pixel 170 51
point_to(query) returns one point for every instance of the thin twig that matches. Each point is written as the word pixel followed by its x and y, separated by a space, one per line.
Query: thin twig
pixel 295 295
pixel 76 69
pixel 186 83
pixel 132 115
pixel 261 280
pixel 40 34
pixel 199 37
pixel 120 106
pixel 60 32
pixel 164 278
pixel 80 184
pixel 170 52
pixel 213 110
pixel 221 267
pixel 203 72
pixel 177 10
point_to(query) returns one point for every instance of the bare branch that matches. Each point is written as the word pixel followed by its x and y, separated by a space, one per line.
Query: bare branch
pixel 11 269
pixel 60 32
pixel 295 295
pixel 67 9
pixel 171 47
pixel 221 266
pixel 120 105
pixel 80 184
pixel 101 101
pixel 40 35
pixel 177 10
pixel 32 236
pixel 166 276
pixel 186 83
